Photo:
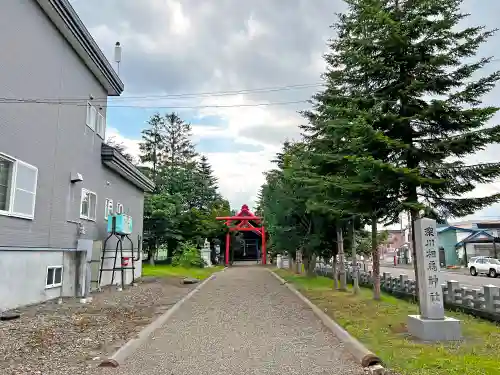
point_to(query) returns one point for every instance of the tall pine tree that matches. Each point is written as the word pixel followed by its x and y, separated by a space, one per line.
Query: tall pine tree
pixel 411 73
pixel 207 185
pixel 153 145
pixel 179 149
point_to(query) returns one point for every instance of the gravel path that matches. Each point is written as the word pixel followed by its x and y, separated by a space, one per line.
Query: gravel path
pixel 68 338
pixel 243 322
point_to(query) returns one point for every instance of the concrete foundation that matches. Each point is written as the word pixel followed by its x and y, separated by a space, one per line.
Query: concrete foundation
pixel 447 329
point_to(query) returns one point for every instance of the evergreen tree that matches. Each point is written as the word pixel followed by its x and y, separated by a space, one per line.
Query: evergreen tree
pixel 205 170
pixel 153 145
pixel 404 67
pixel 208 184
pixel 179 150
pixel 400 111
pixel 177 172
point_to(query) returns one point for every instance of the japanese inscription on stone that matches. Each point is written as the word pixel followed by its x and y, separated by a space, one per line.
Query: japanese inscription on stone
pixel 429 285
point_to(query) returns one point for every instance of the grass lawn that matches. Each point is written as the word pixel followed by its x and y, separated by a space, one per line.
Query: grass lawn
pixel 381 327
pixel 164 270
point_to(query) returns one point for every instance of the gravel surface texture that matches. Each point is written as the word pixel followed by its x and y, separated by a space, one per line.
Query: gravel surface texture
pixel 68 338
pixel 242 322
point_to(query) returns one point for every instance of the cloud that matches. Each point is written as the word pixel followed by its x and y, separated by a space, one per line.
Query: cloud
pixel 173 47
pixel 239 174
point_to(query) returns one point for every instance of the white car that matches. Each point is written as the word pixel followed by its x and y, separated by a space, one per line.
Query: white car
pixel 485 265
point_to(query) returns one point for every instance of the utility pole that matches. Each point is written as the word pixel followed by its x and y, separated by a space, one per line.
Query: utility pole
pixel 355 271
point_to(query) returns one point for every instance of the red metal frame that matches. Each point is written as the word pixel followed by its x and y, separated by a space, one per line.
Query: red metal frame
pixel 242 221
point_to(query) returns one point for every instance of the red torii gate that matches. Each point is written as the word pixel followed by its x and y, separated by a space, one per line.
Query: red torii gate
pixel 244 217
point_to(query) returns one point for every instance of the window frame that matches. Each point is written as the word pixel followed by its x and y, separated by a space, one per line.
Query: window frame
pixel 118 206
pixel 100 125
pixel 88 217
pixel 13 188
pixel 108 208
pixel 91 116
pixel 53 285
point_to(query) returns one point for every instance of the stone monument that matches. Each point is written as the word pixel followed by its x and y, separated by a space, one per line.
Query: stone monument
pixel 217 254
pixel 206 252
pixel 431 324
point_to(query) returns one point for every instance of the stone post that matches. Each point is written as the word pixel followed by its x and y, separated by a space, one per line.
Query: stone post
pixel 279 261
pixel 431 324
pixel 403 279
pixel 206 252
pixel 490 292
pixel 385 281
pixel 452 287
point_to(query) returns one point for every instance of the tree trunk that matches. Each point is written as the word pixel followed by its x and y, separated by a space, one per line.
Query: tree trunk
pixel 413 217
pixel 306 261
pixel 290 261
pixel 335 275
pixel 340 245
pixel 355 271
pixel 311 265
pixel 375 260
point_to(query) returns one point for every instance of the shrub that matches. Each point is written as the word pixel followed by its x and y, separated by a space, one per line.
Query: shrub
pixel 187 255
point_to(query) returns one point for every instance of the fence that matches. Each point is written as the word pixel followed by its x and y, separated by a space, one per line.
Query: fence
pixel 483 302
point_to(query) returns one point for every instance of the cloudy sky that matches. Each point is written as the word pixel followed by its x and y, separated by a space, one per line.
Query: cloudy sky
pixel 255 61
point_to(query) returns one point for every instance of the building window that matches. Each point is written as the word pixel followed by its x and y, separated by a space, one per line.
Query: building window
pixel 100 125
pixel 6 173
pixel 54 277
pixel 88 205
pixel 91 116
pixel 18 182
pixel 119 208
pixel 108 208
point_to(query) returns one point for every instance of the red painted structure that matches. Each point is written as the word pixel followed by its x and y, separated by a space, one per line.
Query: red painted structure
pixel 242 222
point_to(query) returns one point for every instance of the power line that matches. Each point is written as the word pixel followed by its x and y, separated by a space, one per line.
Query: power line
pixel 176 96
pixel 24 101
pixel 225 93
pixel 104 101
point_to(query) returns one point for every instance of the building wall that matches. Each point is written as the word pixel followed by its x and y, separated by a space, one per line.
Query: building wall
pixel 15 290
pixel 462 235
pixel 40 64
pixel 447 240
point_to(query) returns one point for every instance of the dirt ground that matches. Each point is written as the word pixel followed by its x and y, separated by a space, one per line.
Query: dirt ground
pixel 71 338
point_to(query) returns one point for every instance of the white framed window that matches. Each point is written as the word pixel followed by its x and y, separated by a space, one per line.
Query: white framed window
pixel 100 125
pixel 119 208
pixel 108 208
pixel 91 116
pixel 18 183
pixel 88 205
pixel 54 277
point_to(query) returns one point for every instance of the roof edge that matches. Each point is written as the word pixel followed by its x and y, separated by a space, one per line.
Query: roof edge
pixel 470 238
pixel 64 17
pixel 111 158
pixel 452 227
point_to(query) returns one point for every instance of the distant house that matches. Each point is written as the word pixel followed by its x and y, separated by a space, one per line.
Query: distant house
pixel 395 238
pixel 58 179
pixel 460 241
pixel 396 245
pixel 448 237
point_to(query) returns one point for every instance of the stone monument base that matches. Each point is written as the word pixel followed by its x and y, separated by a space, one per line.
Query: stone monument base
pixel 447 329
